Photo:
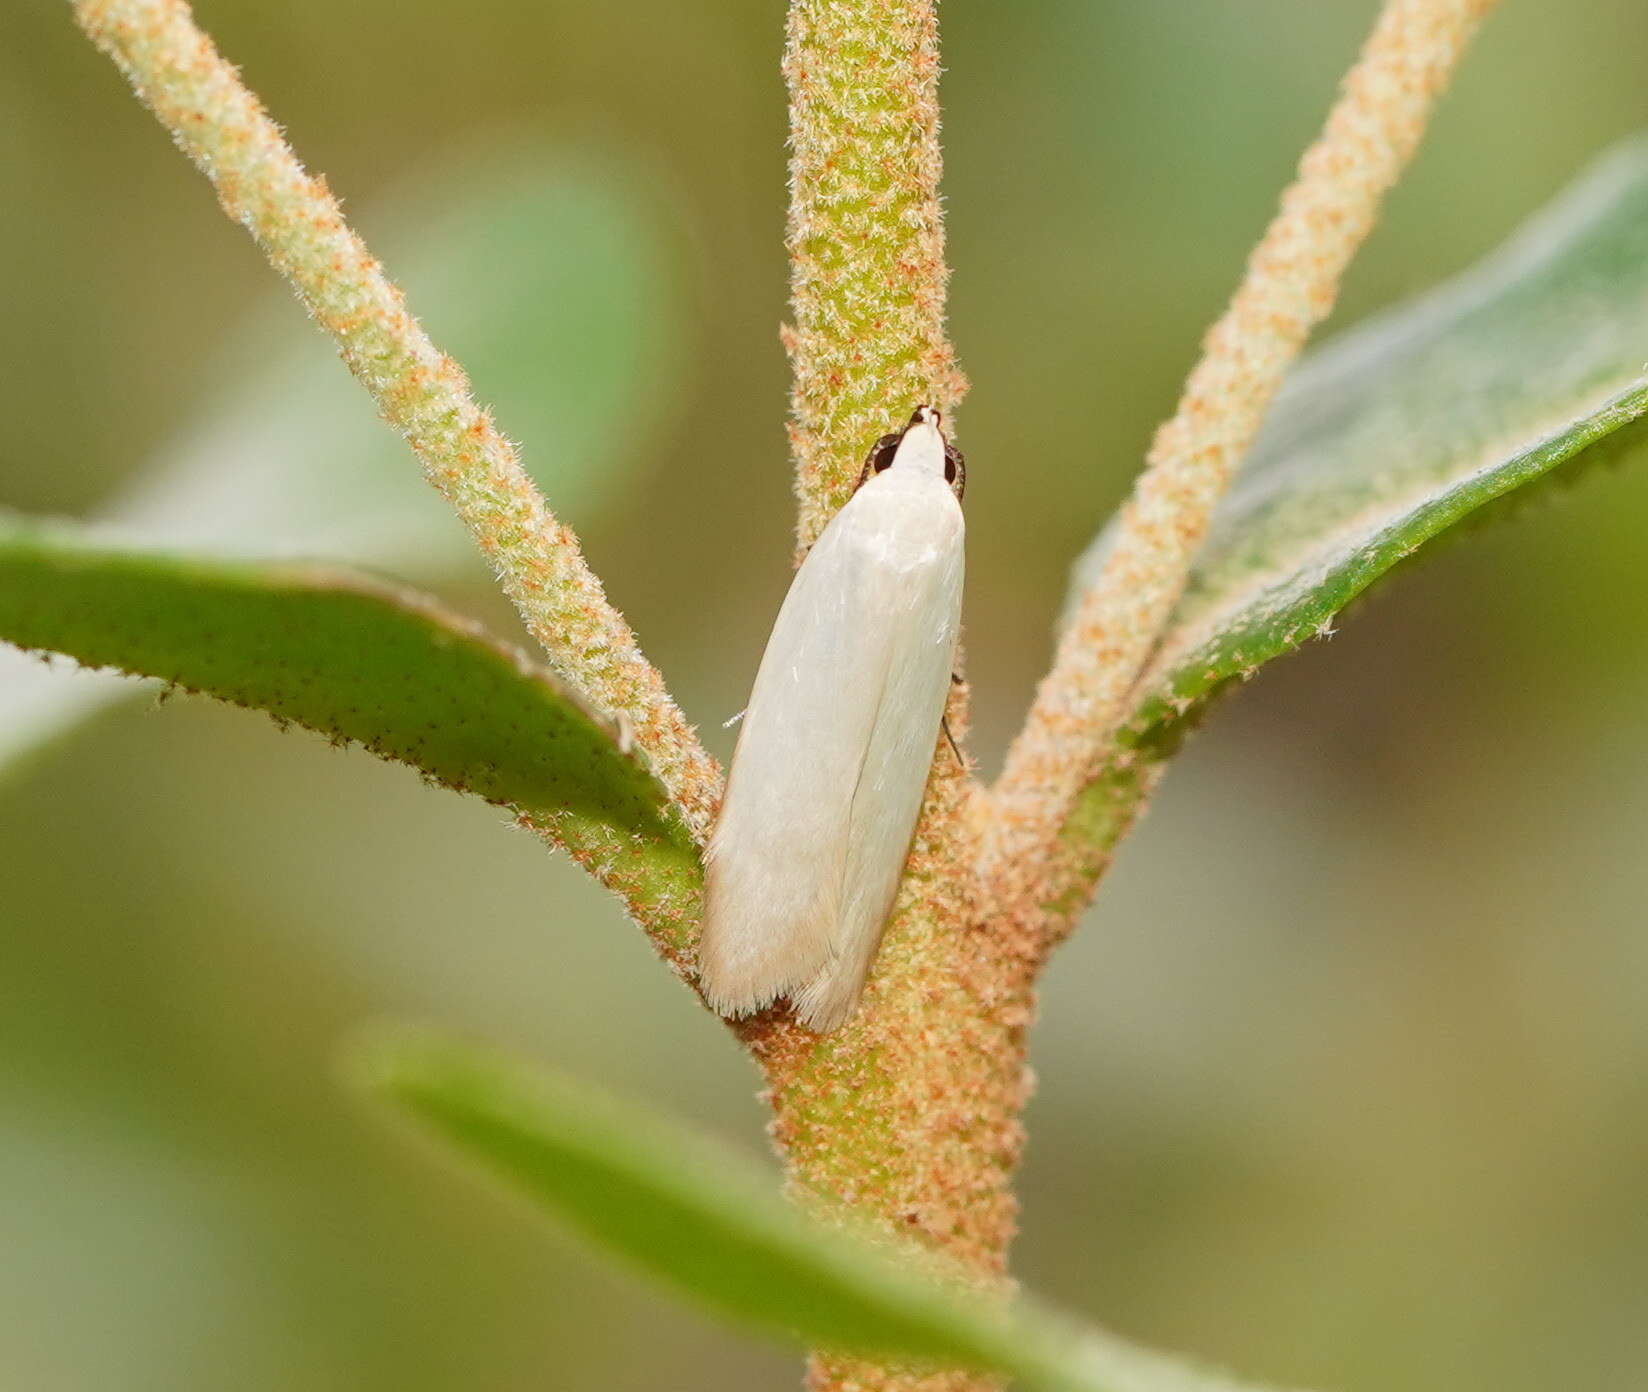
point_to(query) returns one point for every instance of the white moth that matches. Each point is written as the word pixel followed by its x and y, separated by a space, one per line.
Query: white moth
pixel 827 778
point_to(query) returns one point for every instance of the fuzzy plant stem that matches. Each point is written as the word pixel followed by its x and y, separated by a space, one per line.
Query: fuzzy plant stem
pixel 222 128
pixel 865 236
pixel 1290 285
pixel 908 1115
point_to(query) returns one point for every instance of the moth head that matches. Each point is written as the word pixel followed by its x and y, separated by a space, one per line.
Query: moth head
pixel 920 445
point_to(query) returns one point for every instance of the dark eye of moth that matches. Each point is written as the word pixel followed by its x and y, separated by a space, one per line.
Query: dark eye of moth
pixel 881 456
pixel 955 469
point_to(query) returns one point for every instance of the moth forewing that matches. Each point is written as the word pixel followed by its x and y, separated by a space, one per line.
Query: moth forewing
pixel 921 614
pixel 832 757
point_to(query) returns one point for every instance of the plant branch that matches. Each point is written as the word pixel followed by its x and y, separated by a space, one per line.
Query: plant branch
pixel 1290 285
pixel 866 238
pixel 908 1115
pixel 220 125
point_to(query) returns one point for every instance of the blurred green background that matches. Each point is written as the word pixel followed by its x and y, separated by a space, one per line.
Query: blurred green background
pixel 1346 1081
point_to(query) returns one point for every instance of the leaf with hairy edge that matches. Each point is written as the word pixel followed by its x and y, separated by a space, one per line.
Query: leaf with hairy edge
pixel 1528 366
pixel 543 270
pixel 708 1221
pixel 356 659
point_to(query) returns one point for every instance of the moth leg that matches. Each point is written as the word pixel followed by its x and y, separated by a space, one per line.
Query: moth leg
pixel 956 679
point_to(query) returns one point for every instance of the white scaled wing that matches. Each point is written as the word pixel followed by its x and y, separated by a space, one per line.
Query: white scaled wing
pixel 833 755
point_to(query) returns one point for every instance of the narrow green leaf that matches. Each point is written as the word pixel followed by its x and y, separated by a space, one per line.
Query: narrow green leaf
pixel 542 270
pixel 708 1221
pixel 1526 367
pixel 357 660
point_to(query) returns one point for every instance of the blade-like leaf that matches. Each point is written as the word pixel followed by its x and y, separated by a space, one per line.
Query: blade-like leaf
pixel 541 270
pixel 1531 364
pixel 708 1221
pixel 354 659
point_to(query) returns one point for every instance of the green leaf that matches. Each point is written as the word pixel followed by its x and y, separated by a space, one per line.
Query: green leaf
pixel 1525 368
pixel 355 659
pixel 708 1221
pixel 542 271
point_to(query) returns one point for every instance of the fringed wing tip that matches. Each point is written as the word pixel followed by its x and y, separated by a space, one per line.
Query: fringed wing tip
pixel 822 1004
pixel 736 990
pixel 733 1005
pixel 827 1002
